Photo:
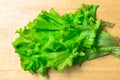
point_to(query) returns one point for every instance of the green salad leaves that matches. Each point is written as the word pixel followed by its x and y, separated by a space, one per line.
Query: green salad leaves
pixel 59 41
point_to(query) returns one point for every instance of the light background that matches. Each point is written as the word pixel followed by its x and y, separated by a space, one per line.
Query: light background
pixel 17 13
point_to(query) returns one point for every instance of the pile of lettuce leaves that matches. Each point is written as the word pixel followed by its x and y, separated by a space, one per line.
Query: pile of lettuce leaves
pixel 53 41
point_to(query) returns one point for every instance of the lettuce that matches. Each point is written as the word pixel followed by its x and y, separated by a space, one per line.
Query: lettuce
pixel 59 41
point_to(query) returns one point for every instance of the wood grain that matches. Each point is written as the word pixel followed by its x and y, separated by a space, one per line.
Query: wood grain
pixel 17 13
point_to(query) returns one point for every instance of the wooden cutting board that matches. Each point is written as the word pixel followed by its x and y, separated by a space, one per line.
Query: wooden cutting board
pixel 17 13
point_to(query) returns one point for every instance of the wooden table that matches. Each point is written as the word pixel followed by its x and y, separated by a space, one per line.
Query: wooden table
pixel 17 13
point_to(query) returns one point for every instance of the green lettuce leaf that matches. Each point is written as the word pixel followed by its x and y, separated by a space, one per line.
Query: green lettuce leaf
pixel 59 41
